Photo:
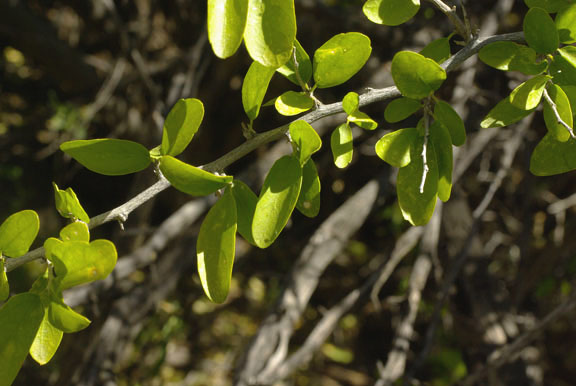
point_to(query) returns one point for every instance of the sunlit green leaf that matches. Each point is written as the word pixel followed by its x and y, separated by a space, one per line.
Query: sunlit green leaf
pixel 20 318
pixel 246 202
pixel 46 342
pixel 180 125
pixel 540 31
pixel 270 31
pixel 305 139
pixel 438 50
pixel 442 146
pixel 552 157
pixel 341 145
pixel 394 147
pixel 277 200
pixel 417 207
pixel 18 232
pixel 510 56
pixel 4 285
pixel 304 66
pixel 68 205
pixel 504 114
pixel 108 156
pixel 527 96
pixel 570 91
pixel 340 58
pixel 551 6
pixel 390 12
pixel 566 24
pixel 215 248
pixel 309 200
pixel 293 103
pixel 350 102
pixel 563 66
pixel 254 88
pixel 560 99
pixel 77 231
pixel 400 109
pixel 65 318
pixel 190 179
pixel 226 22
pixel 416 76
pixel 362 120
pixel 447 116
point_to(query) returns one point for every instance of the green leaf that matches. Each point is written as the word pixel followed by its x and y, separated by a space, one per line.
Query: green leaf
pixel 394 147
pixel 226 22
pixel 277 200
pixel 569 54
pixel 362 120
pixel 67 204
pixel 65 318
pixel 416 76
pixel 341 145
pixel 527 96
pixel 562 102
pixel 293 103
pixel 390 12
pixel 46 342
pixel 111 157
pixel 270 31
pixel 254 88
pixel 563 66
pixel 305 140
pixel 400 109
pixel 442 146
pixel 447 116
pixel 79 262
pixel 504 114
pixel 566 24
pixel 417 207
pixel 20 318
pixel 509 56
pixel 4 285
pixel 77 231
pixel 438 50
pixel 18 232
pixel 309 199
pixel 340 58
pixel 246 202
pixel 350 103
pixel 304 66
pixel 551 6
pixel 180 126
pixel 570 92
pixel 552 157
pixel 540 31
pixel 190 179
pixel 215 248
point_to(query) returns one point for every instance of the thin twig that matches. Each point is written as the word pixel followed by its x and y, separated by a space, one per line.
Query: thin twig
pixel 450 12
pixel 554 108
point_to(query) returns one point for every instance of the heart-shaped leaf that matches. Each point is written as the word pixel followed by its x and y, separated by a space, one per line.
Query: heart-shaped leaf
pixel 309 200
pixel 246 202
pixel 448 117
pixel 190 179
pixel 180 126
pixel 341 145
pixel 390 12
pixel 108 156
pixel 540 31
pixel 394 147
pixel 562 104
pixel 226 22
pixel 46 342
pixel 277 200
pixel 340 58
pixel 416 76
pixel 305 139
pixel 293 103
pixel 400 109
pixel 18 232
pixel 215 248
pixel 254 88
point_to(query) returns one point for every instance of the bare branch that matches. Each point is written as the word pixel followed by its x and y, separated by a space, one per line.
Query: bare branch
pixel 554 108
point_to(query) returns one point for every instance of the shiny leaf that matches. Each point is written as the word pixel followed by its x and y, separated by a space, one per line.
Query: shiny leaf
pixel 390 12
pixel 560 99
pixel 46 342
pixel 180 126
pixel 305 140
pixel 342 145
pixel 293 103
pixel 190 179
pixel 68 205
pixel 254 88
pixel 416 76
pixel 226 22
pixel 447 116
pixel 400 109
pixel 527 96
pixel 246 202
pixel 394 148
pixel 18 232
pixel 540 31
pixel 309 200
pixel 304 66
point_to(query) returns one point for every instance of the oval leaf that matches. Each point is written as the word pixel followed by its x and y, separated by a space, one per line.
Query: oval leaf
pixel 527 96
pixel 566 24
pixel 394 147
pixel 504 114
pixel 254 88
pixel 551 157
pixel 509 56
pixel 540 31
pixel 416 76
pixel 304 66
pixel 68 206
pixel 350 103
pixel 246 202
pixel 342 145
pixel 20 318
pixel 270 31
pixel 46 342
pixel 111 157
pixel 293 103
pixel 390 12
pixel 65 318
pixel 309 200
pixel 18 232
pixel 305 140
pixel 190 179
pixel 180 126
pixel 340 58
pixel 442 146
pixel 562 104
pixel 77 231
pixel 400 109
pixel 226 22
pixel 438 50
pixel 277 200
pixel 448 117
pixel 215 248
pixel 362 120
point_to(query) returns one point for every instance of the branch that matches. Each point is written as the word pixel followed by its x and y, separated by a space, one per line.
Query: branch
pixel 372 96
pixel 557 114
pixel 461 27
